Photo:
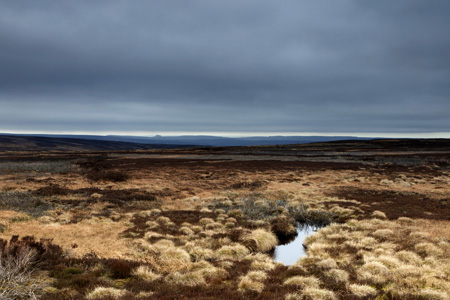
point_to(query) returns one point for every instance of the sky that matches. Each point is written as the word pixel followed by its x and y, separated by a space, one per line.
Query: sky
pixel 230 67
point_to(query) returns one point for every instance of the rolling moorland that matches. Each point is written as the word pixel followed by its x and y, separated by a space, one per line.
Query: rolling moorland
pixel 79 222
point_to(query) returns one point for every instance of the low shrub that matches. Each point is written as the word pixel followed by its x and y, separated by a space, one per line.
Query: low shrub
pixel 108 175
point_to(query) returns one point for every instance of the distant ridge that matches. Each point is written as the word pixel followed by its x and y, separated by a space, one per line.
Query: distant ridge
pixel 40 143
pixel 204 140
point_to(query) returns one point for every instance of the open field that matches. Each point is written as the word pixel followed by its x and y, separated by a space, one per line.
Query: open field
pixel 202 223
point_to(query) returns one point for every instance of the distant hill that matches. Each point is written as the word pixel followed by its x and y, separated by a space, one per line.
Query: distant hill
pixel 38 143
pixel 205 140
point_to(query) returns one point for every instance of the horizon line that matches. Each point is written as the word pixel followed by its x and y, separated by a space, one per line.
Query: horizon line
pixel 237 134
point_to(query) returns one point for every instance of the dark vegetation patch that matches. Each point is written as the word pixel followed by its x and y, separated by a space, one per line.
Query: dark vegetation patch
pixel 136 164
pixel 99 170
pixel 251 185
pixel 122 196
pixel 191 216
pixel 394 204
pixel 24 202
pixel 107 175
pixel 52 190
pixel 46 252
pixel 36 165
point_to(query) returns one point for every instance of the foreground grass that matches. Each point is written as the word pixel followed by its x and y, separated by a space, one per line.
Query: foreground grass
pixel 120 241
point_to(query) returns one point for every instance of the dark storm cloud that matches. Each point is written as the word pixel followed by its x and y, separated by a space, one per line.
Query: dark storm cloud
pixel 225 65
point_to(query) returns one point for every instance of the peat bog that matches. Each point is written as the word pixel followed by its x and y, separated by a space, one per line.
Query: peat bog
pixel 204 223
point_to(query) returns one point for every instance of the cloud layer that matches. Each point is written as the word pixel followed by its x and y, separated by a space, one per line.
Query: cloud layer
pixel 206 65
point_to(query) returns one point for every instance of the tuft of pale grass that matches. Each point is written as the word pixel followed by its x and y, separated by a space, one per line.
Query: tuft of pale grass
pixel 432 294
pixel 257 275
pixel 419 235
pixel 379 215
pixel 143 294
pixel 186 230
pixel 405 221
pixel 374 272
pixel 152 235
pixel 100 292
pixel 174 259
pixel 408 257
pixel 189 279
pixel 208 271
pixel 338 275
pixel 163 220
pixel 303 281
pixel 145 273
pixel 293 296
pixel 205 221
pixel 198 253
pixel 232 252
pixel 362 290
pixel 264 265
pixel 197 229
pixel 263 239
pixel 318 249
pixel 162 245
pixel 152 224
pixel 389 261
pixel 213 226
pixel 231 219
pixel 383 234
pixel 311 293
pixel 327 264
pixel 247 284
pixel 428 249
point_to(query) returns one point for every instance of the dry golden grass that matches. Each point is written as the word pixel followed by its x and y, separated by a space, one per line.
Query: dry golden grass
pixel 311 293
pixel 102 236
pixel 174 259
pixel 437 229
pixel 303 281
pixel 264 240
pixel 187 279
pixel 145 273
pixel 249 284
pixel 101 292
pixel 232 252
pixel 362 291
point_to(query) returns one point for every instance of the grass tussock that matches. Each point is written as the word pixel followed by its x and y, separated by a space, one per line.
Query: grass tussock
pixel 187 279
pixel 362 290
pixel 379 254
pixel 303 281
pixel 232 252
pixel 146 273
pixel 102 292
pixel 311 293
pixel 261 240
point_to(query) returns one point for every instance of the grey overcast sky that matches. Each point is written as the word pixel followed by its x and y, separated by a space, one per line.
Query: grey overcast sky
pixel 259 66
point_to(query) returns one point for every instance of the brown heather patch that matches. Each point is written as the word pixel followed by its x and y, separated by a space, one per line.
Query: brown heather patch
pixel 393 203
pixel 52 190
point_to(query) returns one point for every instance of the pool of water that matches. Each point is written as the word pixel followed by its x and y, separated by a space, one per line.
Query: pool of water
pixel 289 253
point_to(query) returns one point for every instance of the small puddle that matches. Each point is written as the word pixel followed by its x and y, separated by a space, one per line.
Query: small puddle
pixel 289 253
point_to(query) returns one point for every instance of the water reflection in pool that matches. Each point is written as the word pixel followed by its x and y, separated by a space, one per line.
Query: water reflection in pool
pixel 289 253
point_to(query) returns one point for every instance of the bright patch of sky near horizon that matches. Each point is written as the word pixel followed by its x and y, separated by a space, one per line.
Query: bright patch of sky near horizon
pixel 242 134
pixel 233 68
